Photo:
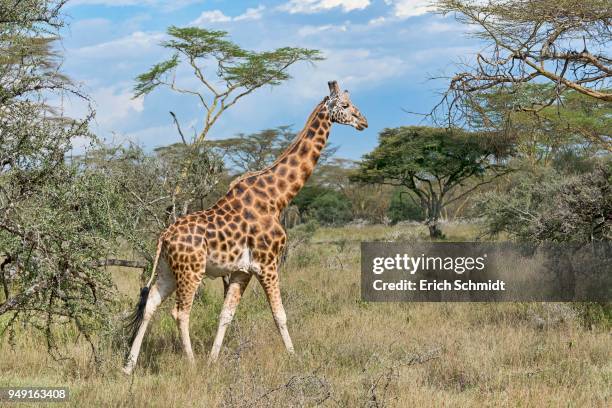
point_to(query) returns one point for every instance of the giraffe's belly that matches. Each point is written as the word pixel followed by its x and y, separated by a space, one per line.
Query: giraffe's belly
pixel 244 262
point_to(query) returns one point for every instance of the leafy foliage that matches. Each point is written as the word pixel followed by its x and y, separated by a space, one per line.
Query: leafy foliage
pixel 257 150
pixel 225 71
pixel 432 163
pixel 403 207
pixel 59 221
pixel 552 207
pixel 323 204
pixel 561 43
pixel 578 123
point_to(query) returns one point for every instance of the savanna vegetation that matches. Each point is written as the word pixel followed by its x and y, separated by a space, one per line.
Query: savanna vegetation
pixel 518 149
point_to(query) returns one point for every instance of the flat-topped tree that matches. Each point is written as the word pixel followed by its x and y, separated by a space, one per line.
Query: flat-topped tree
pixel 226 71
pixel 437 165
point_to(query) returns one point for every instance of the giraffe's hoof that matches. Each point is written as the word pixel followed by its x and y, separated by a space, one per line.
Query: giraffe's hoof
pixel 127 370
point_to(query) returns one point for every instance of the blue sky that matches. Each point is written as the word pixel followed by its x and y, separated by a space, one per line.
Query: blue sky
pixel 382 51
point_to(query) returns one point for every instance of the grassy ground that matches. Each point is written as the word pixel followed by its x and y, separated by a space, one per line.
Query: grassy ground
pixel 349 353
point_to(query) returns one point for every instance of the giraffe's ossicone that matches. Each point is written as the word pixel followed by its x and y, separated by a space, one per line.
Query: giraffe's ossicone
pixel 239 237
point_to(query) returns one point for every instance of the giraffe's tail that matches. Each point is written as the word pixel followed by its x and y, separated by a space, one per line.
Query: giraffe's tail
pixel 134 320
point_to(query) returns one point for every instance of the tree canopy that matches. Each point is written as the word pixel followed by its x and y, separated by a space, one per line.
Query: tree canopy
pixel 225 71
pixel 564 43
pixel 432 163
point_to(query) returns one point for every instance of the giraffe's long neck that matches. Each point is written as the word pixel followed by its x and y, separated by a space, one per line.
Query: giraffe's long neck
pixel 293 168
pixel 275 186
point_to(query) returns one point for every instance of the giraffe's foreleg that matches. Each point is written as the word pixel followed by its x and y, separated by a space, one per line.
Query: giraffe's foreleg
pixel 235 289
pixel 269 282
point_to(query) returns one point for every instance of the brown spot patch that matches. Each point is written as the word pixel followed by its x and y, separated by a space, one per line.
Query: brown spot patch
pixel 239 188
pixel 261 206
pixel 304 150
pixel 248 198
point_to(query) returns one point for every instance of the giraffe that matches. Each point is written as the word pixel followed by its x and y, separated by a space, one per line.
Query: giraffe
pixel 239 237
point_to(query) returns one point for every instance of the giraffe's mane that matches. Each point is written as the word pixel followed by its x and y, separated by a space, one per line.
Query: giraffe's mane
pixel 289 148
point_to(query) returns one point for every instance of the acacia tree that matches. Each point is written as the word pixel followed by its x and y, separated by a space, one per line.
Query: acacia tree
pixel 581 124
pixel 225 73
pixel 561 42
pixel 433 163
pixel 59 222
pixel 255 151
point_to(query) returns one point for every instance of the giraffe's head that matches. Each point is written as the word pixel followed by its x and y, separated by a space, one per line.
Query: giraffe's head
pixel 342 110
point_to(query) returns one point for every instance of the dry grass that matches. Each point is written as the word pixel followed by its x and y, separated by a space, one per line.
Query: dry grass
pixel 349 353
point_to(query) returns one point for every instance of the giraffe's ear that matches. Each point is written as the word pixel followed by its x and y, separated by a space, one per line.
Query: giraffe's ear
pixel 334 89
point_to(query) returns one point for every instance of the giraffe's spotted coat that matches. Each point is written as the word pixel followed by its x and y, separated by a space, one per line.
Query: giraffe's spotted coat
pixel 241 235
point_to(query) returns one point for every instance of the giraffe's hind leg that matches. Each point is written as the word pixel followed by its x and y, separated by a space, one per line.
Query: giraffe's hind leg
pixel 164 285
pixel 188 278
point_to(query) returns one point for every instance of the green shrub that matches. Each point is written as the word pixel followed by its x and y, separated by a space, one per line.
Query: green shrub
pixel 403 208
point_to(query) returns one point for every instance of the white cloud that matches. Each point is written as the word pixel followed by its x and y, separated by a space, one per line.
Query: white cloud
pixel 153 136
pixel 378 20
pixel 443 27
pixel 410 8
pixel 251 14
pixel 137 43
pixel 309 30
pixel 164 4
pixel 353 68
pixel 112 104
pixel 115 103
pixel 314 6
pixel 217 16
pixel 213 16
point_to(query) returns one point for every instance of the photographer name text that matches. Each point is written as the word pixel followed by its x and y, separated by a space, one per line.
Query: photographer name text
pixel 413 264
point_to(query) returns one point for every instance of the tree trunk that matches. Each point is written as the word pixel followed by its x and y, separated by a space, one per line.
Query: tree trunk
pixel 434 230
pixel 433 215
